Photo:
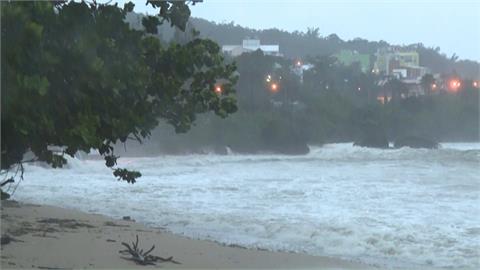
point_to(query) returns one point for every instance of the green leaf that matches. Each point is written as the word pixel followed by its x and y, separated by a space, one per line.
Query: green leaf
pixel 128 7
pixel 23 131
pixel 126 175
pixel 151 23
pixel 80 78
pixel 43 85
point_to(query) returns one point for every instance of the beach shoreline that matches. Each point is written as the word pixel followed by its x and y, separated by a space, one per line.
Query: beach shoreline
pixel 50 237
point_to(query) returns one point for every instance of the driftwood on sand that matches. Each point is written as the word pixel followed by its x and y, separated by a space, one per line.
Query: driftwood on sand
pixel 143 258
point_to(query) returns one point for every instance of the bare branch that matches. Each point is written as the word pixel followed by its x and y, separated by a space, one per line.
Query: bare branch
pixel 150 250
pixel 7 181
pixel 139 257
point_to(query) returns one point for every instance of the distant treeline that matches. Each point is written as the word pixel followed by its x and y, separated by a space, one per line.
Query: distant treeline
pixel 299 44
pixel 312 43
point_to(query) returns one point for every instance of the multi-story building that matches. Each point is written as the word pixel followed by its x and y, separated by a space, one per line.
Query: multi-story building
pixel 392 62
pixel 401 64
pixel 250 45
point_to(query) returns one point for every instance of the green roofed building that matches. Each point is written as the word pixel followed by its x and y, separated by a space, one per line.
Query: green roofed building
pixel 348 57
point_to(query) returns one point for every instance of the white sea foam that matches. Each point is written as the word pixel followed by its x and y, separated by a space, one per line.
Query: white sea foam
pixel 407 207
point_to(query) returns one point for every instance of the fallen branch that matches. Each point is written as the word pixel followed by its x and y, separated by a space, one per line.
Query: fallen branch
pixel 169 259
pixel 143 258
pixel 7 181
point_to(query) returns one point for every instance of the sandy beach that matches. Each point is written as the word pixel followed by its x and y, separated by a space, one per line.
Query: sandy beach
pixel 48 237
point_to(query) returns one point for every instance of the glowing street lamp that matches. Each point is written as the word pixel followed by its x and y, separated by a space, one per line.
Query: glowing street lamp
pixel 274 87
pixel 475 84
pixel 218 90
pixel 454 85
pixel 298 63
pixel 434 86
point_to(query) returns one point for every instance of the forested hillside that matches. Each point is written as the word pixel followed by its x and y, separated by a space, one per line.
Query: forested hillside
pixel 313 42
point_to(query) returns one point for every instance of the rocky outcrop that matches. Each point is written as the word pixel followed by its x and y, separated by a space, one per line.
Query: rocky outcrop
pixel 415 142
pixel 297 148
pixel 283 138
pixel 375 138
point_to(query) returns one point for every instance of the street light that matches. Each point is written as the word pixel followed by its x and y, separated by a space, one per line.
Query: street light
pixel 218 89
pixel 454 85
pixel 274 87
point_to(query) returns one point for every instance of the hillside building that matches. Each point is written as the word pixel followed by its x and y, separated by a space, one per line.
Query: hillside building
pixel 405 65
pixel 251 45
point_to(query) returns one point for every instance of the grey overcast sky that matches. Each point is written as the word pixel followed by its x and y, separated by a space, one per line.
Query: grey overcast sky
pixel 454 26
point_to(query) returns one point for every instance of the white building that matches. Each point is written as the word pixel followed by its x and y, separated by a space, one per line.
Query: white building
pixel 299 68
pixel 251 45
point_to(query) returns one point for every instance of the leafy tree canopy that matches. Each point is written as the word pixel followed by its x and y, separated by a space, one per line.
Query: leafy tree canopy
pixel 75 76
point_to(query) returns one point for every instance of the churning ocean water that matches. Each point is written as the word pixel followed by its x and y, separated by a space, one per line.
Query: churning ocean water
pixel 406 208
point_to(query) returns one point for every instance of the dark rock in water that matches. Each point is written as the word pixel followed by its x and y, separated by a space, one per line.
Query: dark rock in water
pixel 283 138
pixel 299 148
pixel 220 150
pixel 371 133
pixel 373 139
pixel 415 142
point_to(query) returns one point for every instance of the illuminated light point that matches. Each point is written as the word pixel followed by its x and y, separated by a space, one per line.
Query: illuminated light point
pixel 475 84
pixel 454 85
pixel 299 63
pixel 359 88
pixel 274 87
pixel 434 86
pixel 218 89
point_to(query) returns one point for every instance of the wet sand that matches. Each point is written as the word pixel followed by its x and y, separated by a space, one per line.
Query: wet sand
pixel 49 237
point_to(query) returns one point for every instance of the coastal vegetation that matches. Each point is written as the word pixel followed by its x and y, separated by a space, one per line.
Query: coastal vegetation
pixel 76 77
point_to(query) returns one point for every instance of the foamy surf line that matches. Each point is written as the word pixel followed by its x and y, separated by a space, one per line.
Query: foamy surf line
pixel 400 208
